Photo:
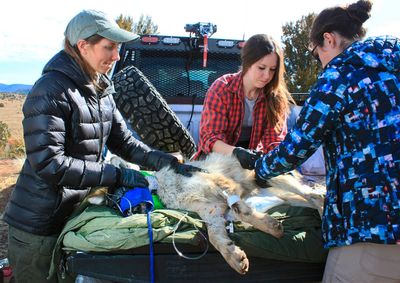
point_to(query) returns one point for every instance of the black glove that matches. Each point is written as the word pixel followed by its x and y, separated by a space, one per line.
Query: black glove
pixel 247 158
pixel 157 159
pixel 185 170
pixel 130 178
pixel 262 183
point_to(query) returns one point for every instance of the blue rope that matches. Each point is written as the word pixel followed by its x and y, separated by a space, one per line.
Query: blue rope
pixel 149 227
pixel 133 198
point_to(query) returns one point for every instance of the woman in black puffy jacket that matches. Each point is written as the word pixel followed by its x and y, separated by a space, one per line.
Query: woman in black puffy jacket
pixel 69 117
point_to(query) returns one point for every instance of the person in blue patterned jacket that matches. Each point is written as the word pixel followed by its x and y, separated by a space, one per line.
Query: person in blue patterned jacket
pixel 353 111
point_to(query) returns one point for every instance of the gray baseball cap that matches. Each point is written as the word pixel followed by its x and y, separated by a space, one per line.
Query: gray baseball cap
pixel 91 22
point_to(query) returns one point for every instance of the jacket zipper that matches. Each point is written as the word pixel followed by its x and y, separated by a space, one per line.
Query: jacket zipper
pixel 101 128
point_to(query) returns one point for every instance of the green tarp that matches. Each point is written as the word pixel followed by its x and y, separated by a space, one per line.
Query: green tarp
pixel 101 229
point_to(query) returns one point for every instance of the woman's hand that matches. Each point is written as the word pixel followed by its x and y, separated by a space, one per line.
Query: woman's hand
pixel 247 158
pixel 130 178
pixel 185 170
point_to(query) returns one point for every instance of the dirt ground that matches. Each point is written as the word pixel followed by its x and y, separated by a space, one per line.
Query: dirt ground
pixel 11 113
pixel 9 169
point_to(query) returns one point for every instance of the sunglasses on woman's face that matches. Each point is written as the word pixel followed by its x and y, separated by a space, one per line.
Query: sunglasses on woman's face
pixel 315 54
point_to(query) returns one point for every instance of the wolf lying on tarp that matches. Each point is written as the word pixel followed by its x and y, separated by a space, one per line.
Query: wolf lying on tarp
pixel 223 187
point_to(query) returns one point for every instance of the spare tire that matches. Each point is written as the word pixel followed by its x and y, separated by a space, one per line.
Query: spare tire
pixel 149 115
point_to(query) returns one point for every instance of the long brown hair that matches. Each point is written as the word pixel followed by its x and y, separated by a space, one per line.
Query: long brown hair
pixel 347 21
pixel 73 51
pixel 276 92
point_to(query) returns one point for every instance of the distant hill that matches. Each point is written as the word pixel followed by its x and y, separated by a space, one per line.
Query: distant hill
pixel 16 88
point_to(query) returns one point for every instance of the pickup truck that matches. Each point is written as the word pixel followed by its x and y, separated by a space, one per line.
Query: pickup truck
pixel 161 82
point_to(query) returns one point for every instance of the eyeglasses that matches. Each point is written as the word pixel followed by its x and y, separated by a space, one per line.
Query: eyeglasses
pixel 315 54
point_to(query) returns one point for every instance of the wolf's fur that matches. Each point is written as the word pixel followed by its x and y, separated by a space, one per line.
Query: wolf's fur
pixel 207 193
pixel 203 193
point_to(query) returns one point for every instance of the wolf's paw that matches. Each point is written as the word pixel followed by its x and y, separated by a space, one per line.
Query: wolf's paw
pixel 271 226
pixel 266 223
pixel 237 259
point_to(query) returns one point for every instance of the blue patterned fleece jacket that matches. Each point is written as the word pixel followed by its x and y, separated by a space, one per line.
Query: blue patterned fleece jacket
pixel 354 112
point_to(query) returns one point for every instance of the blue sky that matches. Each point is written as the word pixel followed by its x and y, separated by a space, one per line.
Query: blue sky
pixel 31 32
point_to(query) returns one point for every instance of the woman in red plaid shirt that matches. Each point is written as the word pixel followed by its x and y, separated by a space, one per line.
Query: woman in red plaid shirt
pixel 247 109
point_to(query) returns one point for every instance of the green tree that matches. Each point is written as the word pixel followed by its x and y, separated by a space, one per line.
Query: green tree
pixel 301 68
pixel 125 22
pixel 145 25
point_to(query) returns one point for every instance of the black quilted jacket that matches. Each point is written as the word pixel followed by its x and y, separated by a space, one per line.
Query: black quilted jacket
pixel 66 126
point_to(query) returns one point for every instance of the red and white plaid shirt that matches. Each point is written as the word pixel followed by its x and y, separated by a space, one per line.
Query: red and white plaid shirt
pixel 223 114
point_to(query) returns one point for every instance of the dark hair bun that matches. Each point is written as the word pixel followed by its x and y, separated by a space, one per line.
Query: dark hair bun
pixel 360 11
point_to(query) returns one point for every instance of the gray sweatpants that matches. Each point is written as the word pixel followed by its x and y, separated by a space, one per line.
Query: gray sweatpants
pixel 363 262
